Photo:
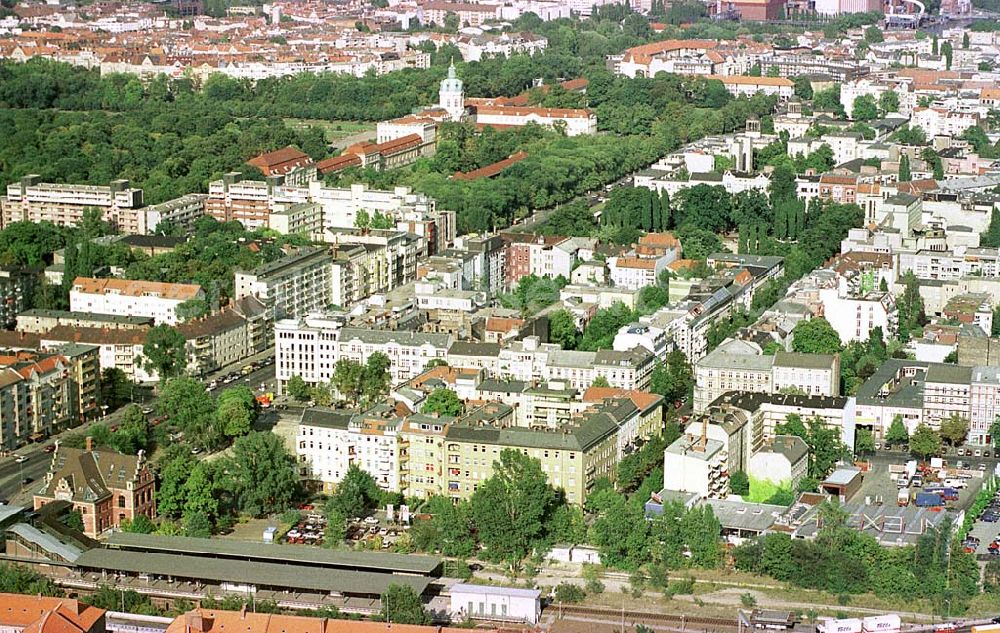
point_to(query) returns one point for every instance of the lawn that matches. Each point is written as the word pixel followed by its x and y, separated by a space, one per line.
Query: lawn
pixel 334 130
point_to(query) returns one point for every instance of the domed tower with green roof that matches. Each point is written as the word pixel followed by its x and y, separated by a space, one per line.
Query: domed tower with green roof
pixel 451 95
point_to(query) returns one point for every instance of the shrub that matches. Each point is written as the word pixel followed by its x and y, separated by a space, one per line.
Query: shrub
pixel 567 592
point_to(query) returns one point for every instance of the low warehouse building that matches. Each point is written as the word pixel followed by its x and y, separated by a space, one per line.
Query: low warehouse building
pixel 481 602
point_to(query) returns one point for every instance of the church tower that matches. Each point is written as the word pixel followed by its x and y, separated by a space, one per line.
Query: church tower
pixel 451 95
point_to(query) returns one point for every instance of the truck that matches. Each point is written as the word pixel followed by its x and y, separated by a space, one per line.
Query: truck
pixel 956 482
pixel 986 628
pixel 833 625
pixel 927 500
pixel 947 493
pixel 903 498
pixel 889 623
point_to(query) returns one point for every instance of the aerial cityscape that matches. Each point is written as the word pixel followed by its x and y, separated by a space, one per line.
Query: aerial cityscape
pixel 565 316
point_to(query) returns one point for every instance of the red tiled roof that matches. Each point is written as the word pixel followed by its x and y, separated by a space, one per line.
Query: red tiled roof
pixel 491 170
pixel 280 161
pixel 337 163
pixel 641 399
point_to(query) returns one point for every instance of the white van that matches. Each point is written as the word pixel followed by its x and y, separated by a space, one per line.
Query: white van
pixel 956 483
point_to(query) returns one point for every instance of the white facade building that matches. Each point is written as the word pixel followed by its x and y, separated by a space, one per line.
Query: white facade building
pixel 311 346
pixel 495 603
pixel 124 297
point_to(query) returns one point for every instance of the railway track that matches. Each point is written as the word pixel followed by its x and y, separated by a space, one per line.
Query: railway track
pixel 616 615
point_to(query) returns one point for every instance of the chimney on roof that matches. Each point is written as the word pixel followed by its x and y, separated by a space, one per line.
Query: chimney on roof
pixel 90 444
pixel 195 621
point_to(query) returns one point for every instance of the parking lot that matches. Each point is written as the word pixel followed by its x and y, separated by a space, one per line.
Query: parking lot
pixel 878 484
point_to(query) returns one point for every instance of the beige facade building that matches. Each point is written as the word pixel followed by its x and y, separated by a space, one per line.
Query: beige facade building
pixel 31 200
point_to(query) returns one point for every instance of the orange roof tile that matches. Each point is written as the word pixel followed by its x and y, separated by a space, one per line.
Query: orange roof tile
pixel 136 288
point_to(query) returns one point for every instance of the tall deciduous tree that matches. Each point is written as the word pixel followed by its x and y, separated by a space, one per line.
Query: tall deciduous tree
pixel 815 336
pixel 237 409
pixel 510 509
pixel 164 349
pixel 925 441
pixel 897 433
pixel 402 605
pixel 443 401
pixel 263 474
pixel 562 329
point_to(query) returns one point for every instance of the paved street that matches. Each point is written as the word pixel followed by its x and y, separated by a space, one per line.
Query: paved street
pixel 37 463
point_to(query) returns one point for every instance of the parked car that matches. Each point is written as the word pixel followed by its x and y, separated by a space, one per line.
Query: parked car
pixel 371 520
pixel 50 448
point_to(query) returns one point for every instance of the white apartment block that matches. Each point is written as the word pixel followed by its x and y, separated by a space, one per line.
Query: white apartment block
pixel 311 346
pixel 63 205
pixel 697 465
pixel 328 442
pixel 180 212
pixel 302 218
pixel 637 272
pixel 294 285
pixel 740 366
pixel 854 317
pixel 937 121
pixel 961 262
pixel 125 297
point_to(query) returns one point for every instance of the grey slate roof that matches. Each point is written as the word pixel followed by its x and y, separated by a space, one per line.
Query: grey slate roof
pixel 372 561
pixel 804 361
pixel 283 575
pixel 326 418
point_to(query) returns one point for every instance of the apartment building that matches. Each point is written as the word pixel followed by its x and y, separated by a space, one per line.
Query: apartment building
pixel 249 202
pixel 31 200
pixel 17 288
pixel 118 348
pixel 531 360
pixel 83 370
pixel 741 366
pixel 697 465
pixel 180 212
pixel 104 486
pixel 573 457
pixel 391 261
pixel 227 336
pixel 293 286
pixel 938 121
pixel 39 321
pixel 950 264
pixel 468 14
pixel 300 218
pixel 854 315
pixel 405 211
pixel 126 297
pixel 544 256
pixel 636 272
pixel 671 56
pixel 924 392
pixel 36 397
pixel 310 347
